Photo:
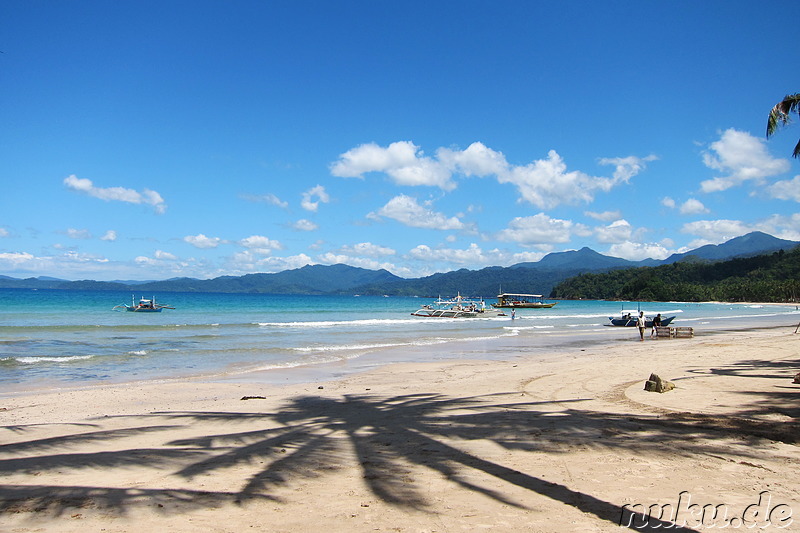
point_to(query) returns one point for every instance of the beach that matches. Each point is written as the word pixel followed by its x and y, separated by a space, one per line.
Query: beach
pixel 518 441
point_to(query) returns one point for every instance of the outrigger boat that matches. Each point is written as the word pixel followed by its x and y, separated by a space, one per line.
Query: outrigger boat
pixel 522 301
pixel 629 319
pixel 144 306
pixel 458 307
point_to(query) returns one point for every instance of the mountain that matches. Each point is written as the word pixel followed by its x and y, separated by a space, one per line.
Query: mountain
pixel 531 277
pixel 754 243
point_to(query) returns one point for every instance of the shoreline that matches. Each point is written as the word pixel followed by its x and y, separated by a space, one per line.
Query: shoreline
pixel 521 442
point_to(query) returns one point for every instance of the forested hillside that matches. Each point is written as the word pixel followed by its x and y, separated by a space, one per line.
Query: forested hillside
pixel 765 278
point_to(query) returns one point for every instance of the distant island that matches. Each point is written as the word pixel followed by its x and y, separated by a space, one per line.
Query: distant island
pixel 753 267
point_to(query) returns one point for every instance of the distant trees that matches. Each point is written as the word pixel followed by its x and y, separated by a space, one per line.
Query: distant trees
pixel 779 116
pixel 765 278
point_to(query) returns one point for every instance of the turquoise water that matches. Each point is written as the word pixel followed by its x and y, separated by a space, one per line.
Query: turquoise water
pixel 65 338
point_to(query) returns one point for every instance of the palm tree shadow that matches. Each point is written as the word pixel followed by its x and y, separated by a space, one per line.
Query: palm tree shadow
pixel 392 439
pixel 390 436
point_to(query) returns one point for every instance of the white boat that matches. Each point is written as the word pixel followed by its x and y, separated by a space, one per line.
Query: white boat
pixel 458 307
pixel 145 305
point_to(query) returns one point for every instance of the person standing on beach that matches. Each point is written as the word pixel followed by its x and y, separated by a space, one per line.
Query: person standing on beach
pixel 640 323
pixel 656 323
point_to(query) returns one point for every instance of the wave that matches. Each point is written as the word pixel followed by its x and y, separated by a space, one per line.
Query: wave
pixel 32 359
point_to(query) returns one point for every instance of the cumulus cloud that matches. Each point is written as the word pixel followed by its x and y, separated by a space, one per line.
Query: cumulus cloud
pixel 402 161
pixel 473 255
pixel 261 244
pixel 407 211
pixel 120 194
pixel 304 225
pixel 3 232
pixel 544 183
pixel 693 207
pixel 786 189
pixel 741 157
pixel 164 256
pixel 617 232
pixel 367 249
pixel 313 197
pixel 73 233
pixel 201 241
pixel 110 235
pixel 539 229
pixel 668 202
pixel 636 251
pixel 716 231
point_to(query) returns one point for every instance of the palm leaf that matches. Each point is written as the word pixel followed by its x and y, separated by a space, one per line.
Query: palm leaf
pixel 779 115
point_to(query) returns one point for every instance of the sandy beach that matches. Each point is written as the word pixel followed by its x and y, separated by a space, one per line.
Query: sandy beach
pixel 572 443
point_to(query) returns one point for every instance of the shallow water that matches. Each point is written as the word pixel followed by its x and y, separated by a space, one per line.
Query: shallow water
pixel 69 338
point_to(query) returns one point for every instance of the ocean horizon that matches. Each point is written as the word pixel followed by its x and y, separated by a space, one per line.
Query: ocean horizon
pixel 56 339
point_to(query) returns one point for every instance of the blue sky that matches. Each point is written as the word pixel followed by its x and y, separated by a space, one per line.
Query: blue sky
pixel 150 140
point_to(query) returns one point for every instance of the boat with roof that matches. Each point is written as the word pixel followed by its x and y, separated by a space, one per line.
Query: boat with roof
pixel 509 300
pixel 458 307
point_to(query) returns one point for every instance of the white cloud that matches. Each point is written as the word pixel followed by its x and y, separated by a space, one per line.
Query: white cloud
pixel 164 256
pixel 15 259
pixel 715 231
pixel 539 229
pixel 304 225
pixel 636 251
pixel 742 158
pixel 543 183
pixel 3 232
pixel 668 202
pixel 247 262
pixel 110 235
pixel 270 199
pixel 546 183
pixel 73 233
pixel 618 231
pixel 627 167
pixel 260 244
pixel 786 189
pixel 472 256
pixel 201 241
pixel 120 194
pixel 309 204
pixel 367 249
pixel 693 207
pixel 402 161
pixel 407 211
pixel 605 216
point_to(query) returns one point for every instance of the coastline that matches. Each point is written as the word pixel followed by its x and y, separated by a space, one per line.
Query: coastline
pixel 523 442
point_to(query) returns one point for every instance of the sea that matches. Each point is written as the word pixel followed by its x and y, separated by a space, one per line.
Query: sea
pixel 62 339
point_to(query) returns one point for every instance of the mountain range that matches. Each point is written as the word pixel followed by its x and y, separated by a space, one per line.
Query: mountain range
pixel 536 277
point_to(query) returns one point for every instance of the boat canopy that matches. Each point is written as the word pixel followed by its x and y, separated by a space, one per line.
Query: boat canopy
pixel 507 294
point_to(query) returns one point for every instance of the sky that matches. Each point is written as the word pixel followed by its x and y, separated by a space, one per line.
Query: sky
pixel 150 140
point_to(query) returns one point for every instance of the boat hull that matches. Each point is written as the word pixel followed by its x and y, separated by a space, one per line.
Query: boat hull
pixel 142 310
pixel 630 322
pixel 531 305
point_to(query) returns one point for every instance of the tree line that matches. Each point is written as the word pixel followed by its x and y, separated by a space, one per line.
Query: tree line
pixel 765 278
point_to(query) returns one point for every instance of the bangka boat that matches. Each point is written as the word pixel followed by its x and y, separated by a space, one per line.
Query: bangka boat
pixel 145 305
pixel 628 318
pixel 522 301
pixel 458 307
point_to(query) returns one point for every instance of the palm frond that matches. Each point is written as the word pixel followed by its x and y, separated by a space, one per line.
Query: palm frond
pixel 779 115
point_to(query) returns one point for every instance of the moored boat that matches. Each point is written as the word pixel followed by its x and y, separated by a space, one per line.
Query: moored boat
pixel 145 305
pixel 522 301
pixel 629 319
pixel 458 307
